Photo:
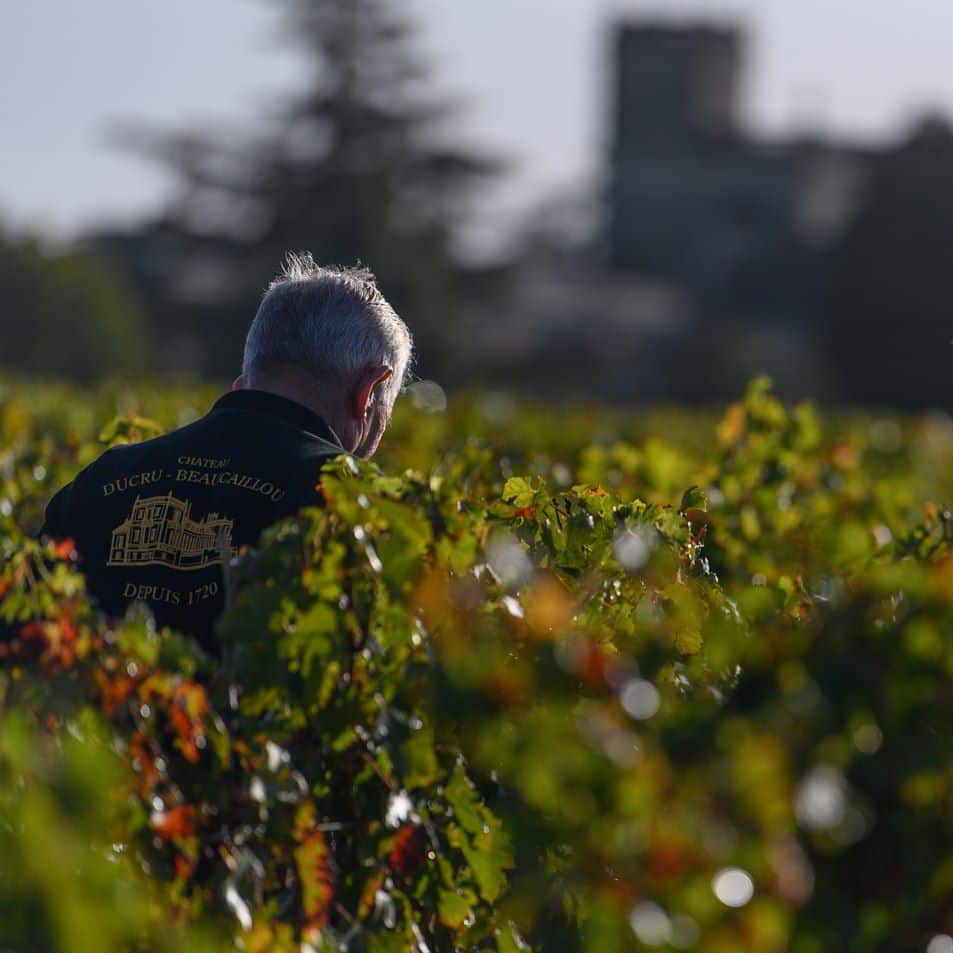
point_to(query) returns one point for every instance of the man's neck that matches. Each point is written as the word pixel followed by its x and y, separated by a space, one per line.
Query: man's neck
pixel 295 384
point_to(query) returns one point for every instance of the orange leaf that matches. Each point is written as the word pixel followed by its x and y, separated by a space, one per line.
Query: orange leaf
pixel 732 427
pixel 313 859
pixel 549 608
pixel 113 691
pixel 185 714
pixel 146 762
pixel 844 455
pixel 369 894
pixel 65 549
pixel 177 822
pixel 183 867
pixel 193 698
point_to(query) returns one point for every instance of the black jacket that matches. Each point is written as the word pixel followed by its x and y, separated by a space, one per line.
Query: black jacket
pixel 154 521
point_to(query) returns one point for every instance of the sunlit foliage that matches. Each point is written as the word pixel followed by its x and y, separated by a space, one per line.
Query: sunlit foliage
pixel 574 682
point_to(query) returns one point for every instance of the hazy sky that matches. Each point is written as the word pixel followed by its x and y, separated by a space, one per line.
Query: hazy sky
pixel 530 72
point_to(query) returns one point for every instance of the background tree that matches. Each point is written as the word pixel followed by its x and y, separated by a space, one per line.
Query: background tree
pixel 892 278
pixel 67 314
pixel 352 168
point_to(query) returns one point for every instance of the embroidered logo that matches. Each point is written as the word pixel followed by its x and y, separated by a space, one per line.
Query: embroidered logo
pixel 160 531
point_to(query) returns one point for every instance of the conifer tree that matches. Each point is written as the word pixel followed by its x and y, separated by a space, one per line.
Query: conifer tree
pixel 351 168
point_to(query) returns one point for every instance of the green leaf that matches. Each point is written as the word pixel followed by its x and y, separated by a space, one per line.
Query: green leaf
pixel 392 941
pixel 490 858
pixel 418 758
pixel 464 800
pixel 508 940
pixel 454 906
pixel 694 498
pixel 519 492
pixel 488 855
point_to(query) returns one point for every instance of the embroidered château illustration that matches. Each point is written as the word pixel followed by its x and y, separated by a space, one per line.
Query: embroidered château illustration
pixel 160 532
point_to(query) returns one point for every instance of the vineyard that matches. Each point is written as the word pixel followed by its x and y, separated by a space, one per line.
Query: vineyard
pixel 570 679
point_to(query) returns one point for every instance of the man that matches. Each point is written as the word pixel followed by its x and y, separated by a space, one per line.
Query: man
pixel 324 360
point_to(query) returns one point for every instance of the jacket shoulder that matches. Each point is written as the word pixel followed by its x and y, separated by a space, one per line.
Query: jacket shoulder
pixel 60 515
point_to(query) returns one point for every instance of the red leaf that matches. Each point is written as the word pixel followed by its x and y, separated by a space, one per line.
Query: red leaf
pixel 33 630
pixel 409 851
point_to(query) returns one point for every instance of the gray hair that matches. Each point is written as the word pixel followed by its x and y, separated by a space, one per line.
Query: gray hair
pixel 331 320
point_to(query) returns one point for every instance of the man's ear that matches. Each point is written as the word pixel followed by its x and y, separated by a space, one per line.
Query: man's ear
pixel 369 381
pixel 239 383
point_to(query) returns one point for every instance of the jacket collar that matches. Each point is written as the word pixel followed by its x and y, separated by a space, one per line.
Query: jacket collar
pixel 264 402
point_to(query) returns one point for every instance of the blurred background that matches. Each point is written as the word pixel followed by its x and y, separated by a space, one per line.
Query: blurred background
pixel 567 198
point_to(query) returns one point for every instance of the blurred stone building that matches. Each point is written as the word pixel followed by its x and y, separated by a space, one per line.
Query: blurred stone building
pixel 744 227
pixel 704 258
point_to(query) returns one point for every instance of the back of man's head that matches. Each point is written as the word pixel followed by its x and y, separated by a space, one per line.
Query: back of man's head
pixel 333 323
